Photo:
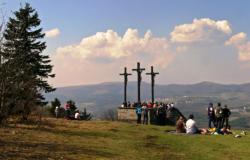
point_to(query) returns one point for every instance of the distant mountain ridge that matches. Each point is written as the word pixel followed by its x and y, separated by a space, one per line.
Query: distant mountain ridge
pixel 111 93
pixel 190 98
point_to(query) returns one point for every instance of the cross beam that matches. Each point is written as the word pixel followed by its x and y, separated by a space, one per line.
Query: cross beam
pixel 139 70
pixel 125 75
pixel 152 74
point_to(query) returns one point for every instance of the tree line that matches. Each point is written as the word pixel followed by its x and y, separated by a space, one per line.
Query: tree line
pixel 24 69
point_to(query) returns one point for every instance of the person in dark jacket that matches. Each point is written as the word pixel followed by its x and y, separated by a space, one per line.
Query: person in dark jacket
pixel 211 115
pixel 218 115
pixel 226 113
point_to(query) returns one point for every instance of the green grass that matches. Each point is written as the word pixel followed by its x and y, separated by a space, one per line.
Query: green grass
pixel 63 139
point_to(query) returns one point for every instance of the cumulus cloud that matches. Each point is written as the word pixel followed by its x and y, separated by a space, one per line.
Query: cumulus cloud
pixel 244 51
pixel 240 42
pixel 52 33
pixel 101 56
pixel 110 45
pixel 107 52
pixel 237 39
pixel 203 29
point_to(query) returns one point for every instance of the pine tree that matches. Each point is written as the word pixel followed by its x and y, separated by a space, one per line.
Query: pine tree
pixel 29 68
pixel 5 85
pixel 86 116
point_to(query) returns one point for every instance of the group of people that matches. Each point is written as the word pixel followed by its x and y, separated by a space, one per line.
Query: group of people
pixel 158 113
pixel 70 113
pixel 217 116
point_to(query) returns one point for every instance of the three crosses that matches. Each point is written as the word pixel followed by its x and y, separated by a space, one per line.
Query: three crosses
pixel 139 70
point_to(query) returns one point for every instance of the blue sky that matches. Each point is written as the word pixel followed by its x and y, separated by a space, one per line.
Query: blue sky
pixel 80 19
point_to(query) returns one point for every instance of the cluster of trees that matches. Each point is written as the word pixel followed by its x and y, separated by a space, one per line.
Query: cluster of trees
pixel 24 70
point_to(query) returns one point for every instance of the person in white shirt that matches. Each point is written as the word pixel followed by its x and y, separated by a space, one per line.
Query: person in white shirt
pixel 191 127
pixel 77 115
pixel 57 111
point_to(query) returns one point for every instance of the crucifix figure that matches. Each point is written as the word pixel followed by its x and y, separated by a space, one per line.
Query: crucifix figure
pixel 139 71
pixel 125 74
pixel 153 74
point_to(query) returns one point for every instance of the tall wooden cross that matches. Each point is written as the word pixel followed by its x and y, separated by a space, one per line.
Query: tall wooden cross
pixel 139 70
pixel 152 74
pixel 125 74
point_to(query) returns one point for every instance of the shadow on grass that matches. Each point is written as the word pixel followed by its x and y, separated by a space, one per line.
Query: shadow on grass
pixel 35 150
pixel 83 133
pixel 69 132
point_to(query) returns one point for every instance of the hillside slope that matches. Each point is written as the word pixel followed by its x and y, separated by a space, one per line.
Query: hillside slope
pixel 81 140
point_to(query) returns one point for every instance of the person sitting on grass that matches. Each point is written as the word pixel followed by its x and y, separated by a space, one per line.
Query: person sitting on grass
pixel 180 125
pixel 191 127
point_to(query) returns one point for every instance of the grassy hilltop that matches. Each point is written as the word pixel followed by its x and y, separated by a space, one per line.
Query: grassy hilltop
pixel 63 139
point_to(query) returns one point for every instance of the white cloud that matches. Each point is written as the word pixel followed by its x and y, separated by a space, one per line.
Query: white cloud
pixel 101 56
pixel 244 51
pixel 52 33
pixel 204 29
pixel 240 42
pixel 104 54
pixel 110 45
pixel 237 39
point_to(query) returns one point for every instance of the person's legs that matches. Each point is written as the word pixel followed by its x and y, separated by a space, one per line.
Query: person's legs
pixel 209 122
pixel 146 119
pixel 215 122
pixel 139 116
pixel 161 119
pixel 226 119
pixel 143 119
pixel 222 122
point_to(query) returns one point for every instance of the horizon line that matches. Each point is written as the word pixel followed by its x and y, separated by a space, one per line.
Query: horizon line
pixel 159 84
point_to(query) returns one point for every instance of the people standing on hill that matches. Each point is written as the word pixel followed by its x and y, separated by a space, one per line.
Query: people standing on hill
pixel 145 113
pixel 138 111
pixel 211 115
pixel 226 114
pixel 161 112
pixel 218 115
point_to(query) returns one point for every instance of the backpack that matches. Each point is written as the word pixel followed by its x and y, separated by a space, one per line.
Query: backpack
pixel 218 112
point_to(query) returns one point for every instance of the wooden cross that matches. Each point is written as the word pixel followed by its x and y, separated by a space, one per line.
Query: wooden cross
pixel 125 74
pixel 139 70
pixel 152 74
